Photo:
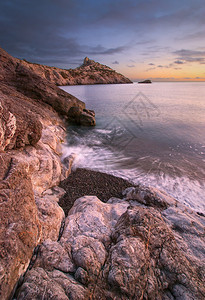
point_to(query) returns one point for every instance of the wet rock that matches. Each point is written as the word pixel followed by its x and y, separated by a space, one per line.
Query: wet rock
pixel 149 196
pixel 87 118
pixel 67 166
pixel 82 117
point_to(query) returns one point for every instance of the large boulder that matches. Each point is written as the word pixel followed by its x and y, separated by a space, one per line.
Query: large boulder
pixel 83 117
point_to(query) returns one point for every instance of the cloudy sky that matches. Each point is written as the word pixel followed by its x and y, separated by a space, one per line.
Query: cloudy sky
pixel 159 39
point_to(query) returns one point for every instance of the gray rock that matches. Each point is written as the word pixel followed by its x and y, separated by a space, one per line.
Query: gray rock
pixel 120 251
pixel 149 196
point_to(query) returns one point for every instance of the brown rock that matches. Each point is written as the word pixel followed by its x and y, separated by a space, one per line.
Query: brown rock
pixel 31 133
pixel 20 228
pixel 83 117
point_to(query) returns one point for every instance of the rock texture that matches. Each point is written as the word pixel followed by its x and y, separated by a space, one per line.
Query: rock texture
pixel 122 249
pixel 90 72
pixel 32 130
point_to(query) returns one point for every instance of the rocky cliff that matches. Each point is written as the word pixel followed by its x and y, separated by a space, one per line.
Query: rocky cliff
pixel 90 72
pixel 33 115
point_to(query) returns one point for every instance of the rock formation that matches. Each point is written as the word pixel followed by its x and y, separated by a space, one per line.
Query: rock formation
pixel 31 133
pixel 90 72
pixel 145 246
pixel 145 81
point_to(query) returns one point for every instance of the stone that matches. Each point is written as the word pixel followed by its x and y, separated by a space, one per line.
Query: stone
pixel 20 229
pixel 67 166
pixel 119 250
pixel 149 196
pixel 87 118
pixel 7 127
pixel 52 256
pixel 83 117
pixel 50 216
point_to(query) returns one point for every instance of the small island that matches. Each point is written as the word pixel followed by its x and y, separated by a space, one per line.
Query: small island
pixel 145 81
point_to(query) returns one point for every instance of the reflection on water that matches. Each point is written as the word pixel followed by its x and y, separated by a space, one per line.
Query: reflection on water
pixel 152 134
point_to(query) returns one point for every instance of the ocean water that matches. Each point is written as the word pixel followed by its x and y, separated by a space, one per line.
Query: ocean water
pixel 152 134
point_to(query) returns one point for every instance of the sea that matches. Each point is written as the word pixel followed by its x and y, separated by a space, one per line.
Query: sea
pixel 152 134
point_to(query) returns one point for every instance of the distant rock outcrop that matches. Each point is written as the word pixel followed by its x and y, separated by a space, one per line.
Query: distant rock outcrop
pixel 90 72
pixel 145 81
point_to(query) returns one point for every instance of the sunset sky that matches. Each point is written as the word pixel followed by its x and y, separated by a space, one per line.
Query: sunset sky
pixel 158 39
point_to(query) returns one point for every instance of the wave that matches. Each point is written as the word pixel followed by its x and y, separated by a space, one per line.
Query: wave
pixel 177 177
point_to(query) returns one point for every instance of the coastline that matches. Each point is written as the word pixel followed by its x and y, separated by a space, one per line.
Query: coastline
pixel 140 241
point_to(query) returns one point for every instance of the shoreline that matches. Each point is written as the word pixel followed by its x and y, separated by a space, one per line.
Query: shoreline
pixel 83 182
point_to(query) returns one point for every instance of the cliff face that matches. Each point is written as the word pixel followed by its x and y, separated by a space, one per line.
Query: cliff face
pixel 90 72
pixel 32 129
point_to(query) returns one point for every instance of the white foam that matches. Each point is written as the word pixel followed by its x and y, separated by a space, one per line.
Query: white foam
pixel 182 188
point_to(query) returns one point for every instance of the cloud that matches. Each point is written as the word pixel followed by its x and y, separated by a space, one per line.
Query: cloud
pixel 98 50
pixel 115 62
pixel 178 62
pixel 193 36
pixel 59 32
pixel 151 64
pixel 150 69
pixel 190 55
pixel 160 66
pixel 131 66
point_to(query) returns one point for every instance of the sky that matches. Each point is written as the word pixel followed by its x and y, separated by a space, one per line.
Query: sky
pixel 156 39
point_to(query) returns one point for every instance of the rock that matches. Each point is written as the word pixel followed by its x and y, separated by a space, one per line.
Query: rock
pixel 88 62
pixel 31 134
pixel 87 118
pixel 67 165
pixel 47 92
pixel 52 256
pixel 50 216
pixel 83 117
pixel 90 72
pixel 117 250
pixel 149 196
pixel 51 285
pixel 7 127
pixel 19 126
pixel 20 228
pixel 145 81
